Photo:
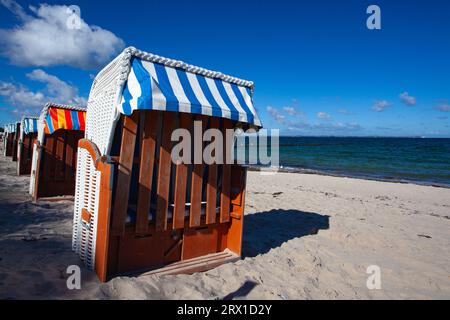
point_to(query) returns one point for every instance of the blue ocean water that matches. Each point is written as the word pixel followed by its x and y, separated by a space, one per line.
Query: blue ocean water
pixel 417 160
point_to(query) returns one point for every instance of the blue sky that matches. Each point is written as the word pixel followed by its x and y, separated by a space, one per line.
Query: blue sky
pixel 317 68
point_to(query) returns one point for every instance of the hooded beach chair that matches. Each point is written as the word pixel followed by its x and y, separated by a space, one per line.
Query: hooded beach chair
pixel 7 141
pixel 11 140
pixel 27 139
pixel 54 153
pixel 135 210
pixel 15 143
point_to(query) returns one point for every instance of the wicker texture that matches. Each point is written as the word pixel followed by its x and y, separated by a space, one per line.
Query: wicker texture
pixel 86 195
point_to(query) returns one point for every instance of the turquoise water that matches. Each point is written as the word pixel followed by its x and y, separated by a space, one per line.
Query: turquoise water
pixel 425 161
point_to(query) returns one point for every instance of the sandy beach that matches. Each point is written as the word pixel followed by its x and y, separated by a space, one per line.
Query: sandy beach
pixel 305 237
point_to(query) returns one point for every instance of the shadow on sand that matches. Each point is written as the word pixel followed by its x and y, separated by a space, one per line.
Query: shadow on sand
pixel 243 291
pixel 268 230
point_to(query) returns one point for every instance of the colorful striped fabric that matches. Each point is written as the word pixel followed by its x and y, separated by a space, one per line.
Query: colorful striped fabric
pixel 159 87
pixel 59 118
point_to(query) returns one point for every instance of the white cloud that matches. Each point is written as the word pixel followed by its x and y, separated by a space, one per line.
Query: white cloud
pixel 320 128
pixel 325 128
pixel 290 111
pixel 25 100
pixel 21 97
pixel 276 115
pixel 43 39
pixel 57 87
pixel 379 106
pixel 407 99
pixel 323 115
pixel 343 111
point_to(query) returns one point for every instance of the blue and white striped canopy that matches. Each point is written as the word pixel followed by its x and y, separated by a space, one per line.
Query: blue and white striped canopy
pixel 154 86
pixel 10 127
pixel 30 125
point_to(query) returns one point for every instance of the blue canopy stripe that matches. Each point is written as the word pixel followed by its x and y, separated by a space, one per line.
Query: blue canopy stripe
pixel 153 86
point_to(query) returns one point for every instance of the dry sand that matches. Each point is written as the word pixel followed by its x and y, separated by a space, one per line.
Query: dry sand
pixel 306 237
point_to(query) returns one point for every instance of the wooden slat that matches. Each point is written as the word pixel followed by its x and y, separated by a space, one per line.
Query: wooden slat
pixel 69 157
pixel 59 155
pixel 181 180
pixel 30 146
pixel 164 171
pixel 147 162
pixel 197 181
pixel 211 187
pixel 16 142
pixel 47 159
pixel 200 264
pixel 129 132
pixel 226 174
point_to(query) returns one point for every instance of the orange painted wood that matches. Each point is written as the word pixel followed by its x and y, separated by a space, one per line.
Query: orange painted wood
pixel 197 181
pixel 129 132
pixel 237 184
pixel 103 222
pixel 164 168
pixel 226 175
pixel 181 180
pixel 147 160
pixel 211 187
pixel 91 148
pixel 235 229
pixel 200 241
pixel 85 215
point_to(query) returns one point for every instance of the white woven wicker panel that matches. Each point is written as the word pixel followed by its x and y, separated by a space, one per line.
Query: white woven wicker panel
pixel 40 139
pixel 33 169
pixel 87 190
pixel 101 109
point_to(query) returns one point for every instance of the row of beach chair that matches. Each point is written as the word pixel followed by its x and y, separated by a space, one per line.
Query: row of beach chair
pixel 136 210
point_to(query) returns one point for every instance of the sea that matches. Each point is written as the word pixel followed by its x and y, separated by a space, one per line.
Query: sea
pixel 409 160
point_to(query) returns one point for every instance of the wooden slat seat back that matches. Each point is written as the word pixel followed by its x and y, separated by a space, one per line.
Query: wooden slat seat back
pixel 9 144
pixel 162 212
pixel 15 142
pixel 25 154
pixel 56 167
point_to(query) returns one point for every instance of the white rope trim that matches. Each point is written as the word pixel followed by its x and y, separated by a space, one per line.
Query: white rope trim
pixel 129 52
pixel 48 105
pixel 64 106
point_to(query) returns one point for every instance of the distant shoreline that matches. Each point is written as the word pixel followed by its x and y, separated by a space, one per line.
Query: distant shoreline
pixel 344 175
